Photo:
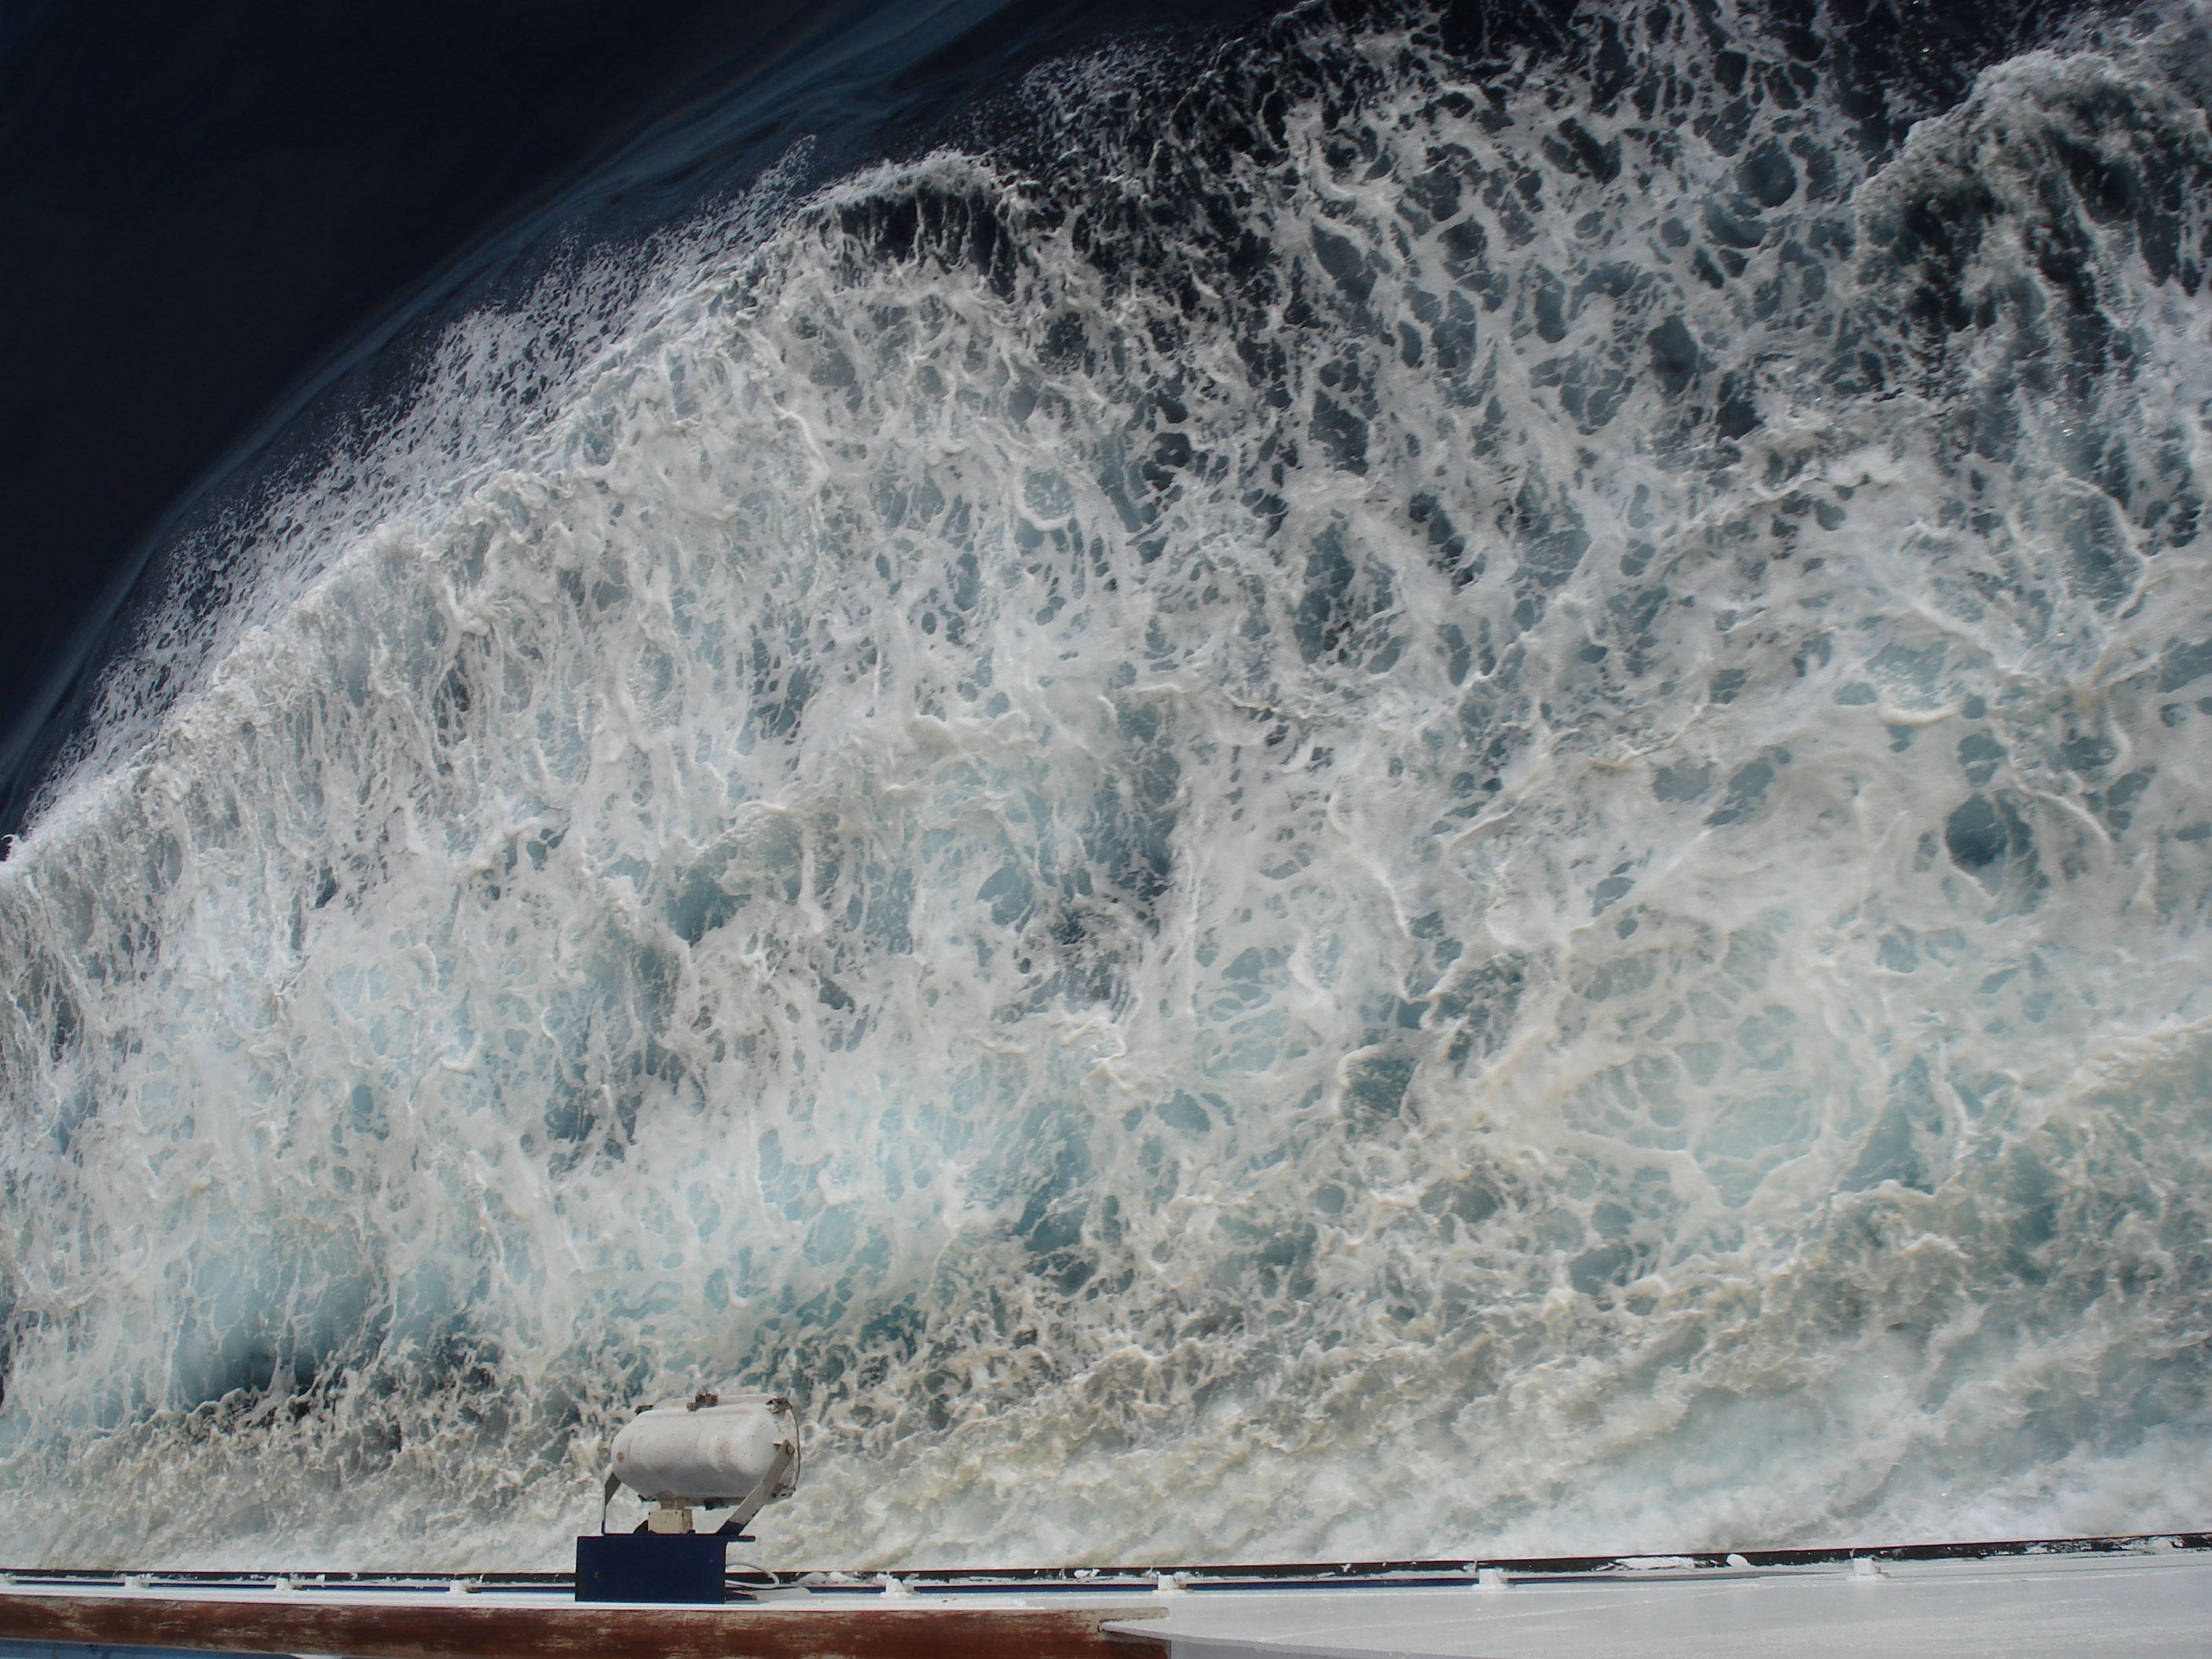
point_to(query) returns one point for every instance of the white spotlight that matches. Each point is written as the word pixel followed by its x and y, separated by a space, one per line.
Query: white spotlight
pixel 712 1451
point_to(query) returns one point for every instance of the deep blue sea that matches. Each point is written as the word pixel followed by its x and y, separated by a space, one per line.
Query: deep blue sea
pixel 1347 784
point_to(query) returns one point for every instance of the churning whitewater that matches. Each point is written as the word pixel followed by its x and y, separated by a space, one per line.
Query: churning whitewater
pixel 1356 808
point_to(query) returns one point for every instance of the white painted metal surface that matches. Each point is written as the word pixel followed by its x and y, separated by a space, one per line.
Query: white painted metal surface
pixel 2143 1606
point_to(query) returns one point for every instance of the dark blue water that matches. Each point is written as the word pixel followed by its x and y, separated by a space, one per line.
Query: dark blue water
pixel 235 231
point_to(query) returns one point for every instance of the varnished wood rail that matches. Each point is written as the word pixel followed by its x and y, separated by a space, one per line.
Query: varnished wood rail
pixel 440 1629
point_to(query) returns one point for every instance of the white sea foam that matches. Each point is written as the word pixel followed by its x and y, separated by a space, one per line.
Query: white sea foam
pixel 1402 818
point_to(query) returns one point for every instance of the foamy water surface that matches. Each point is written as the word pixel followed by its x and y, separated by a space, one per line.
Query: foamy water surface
pixel 1404 814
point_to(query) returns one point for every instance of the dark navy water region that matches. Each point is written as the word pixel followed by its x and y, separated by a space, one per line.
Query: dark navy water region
pixel 235 228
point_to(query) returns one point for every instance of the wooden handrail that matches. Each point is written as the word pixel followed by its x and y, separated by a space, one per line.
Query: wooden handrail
pixel 438 1629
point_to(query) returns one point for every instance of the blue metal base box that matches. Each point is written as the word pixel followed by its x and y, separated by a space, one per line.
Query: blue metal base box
pixel 644 1566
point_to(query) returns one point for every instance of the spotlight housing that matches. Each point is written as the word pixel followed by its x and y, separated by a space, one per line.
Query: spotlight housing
pixel 712 1451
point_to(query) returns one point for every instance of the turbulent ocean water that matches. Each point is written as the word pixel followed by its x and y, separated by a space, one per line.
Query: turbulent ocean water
pixel 1355 796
